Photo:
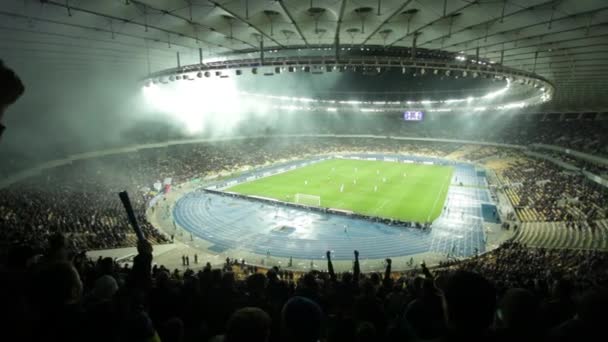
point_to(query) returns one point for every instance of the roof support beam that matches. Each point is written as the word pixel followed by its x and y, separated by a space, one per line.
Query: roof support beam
pixel 129 21
pixel 293 22
pixel 84 27
pixel 147 7
pixel 389 18
pixel 339 23
pixel 534 45
pixel 540 37
pixel 542 23
pixel 245 21
pixel 434 21
pixel 562 54
pixel 486 23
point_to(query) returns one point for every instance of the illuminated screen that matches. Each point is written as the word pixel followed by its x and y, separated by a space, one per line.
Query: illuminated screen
pixel 413 116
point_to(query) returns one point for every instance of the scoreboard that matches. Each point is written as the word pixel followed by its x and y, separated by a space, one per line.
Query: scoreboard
pixel 413 116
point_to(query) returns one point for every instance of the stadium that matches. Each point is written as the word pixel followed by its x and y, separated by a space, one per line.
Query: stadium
pixel 304 171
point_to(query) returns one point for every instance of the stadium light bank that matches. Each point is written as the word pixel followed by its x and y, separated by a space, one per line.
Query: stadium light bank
pixel 522 88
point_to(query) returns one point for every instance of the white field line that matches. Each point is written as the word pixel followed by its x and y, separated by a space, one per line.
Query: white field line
pixel 437 199
pixel 378 208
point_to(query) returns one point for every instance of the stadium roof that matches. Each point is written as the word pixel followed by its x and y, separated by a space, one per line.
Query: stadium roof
pixel 565 41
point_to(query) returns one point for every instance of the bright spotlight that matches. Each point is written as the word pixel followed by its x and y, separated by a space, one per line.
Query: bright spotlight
pixel 180 101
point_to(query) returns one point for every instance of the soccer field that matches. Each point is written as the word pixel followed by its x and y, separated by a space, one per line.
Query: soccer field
pixel 409 192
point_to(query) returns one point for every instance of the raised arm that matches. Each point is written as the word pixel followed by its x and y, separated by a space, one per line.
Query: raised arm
pixel 330 267
pixel 140 277
pixel 426 271
pixel 387 271
pixel 356 268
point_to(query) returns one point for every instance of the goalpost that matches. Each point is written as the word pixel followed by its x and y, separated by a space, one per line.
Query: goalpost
pixel 311 200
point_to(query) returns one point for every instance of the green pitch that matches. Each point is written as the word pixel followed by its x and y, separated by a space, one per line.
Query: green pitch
pixel 410 192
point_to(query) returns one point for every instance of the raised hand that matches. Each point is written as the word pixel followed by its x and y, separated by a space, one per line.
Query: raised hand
pixel 144 247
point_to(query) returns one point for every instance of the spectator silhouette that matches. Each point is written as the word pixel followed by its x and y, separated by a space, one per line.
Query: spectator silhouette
pixel 469 302
pixel 301 320
pixel 518 316
pixel 248 325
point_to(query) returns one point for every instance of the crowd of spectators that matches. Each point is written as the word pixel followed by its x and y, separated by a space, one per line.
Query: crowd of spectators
pixel 511 294
pixel 80 199
pixel 554 193
pixel 523 129
pixel 597 169
pixel 79 205
pixel 52 292
pixel 477 153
